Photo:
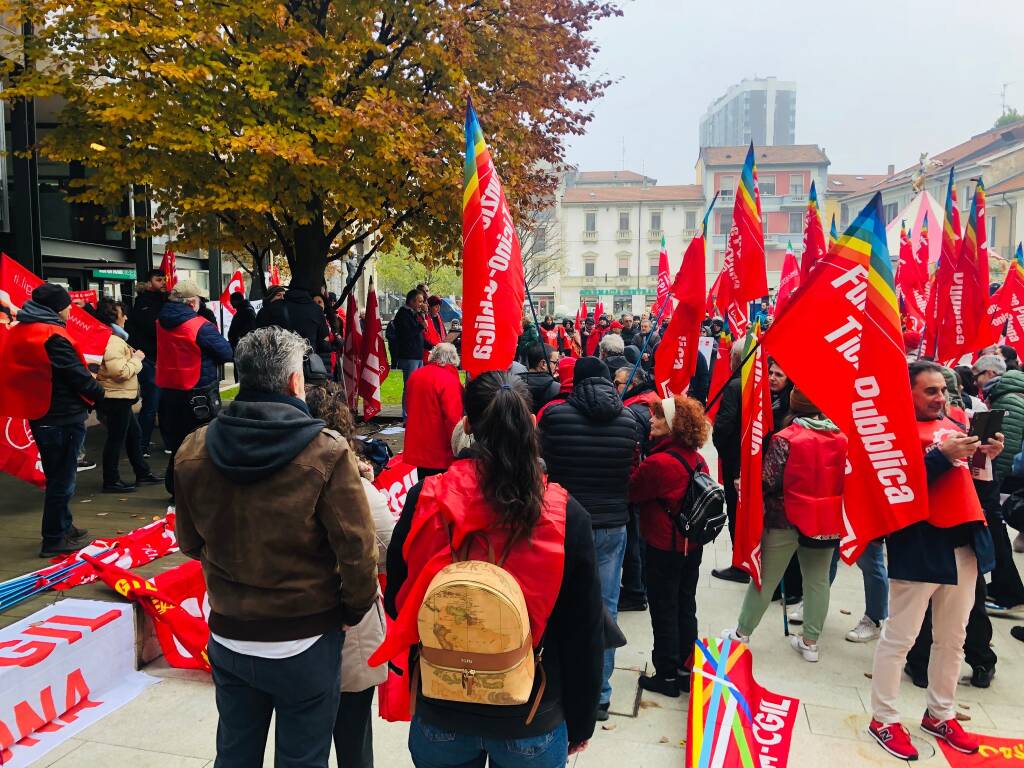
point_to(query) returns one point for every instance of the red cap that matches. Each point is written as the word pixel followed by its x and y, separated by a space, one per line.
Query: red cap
pixel 911 341
pixel 616 325
pixel 566 366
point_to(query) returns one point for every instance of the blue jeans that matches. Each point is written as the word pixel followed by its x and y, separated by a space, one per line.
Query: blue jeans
pixel 610 545
pixel 407 366
pixel 876 582
pixel 433 747
pixel 301 691
pixel 58 451
pixel 150 394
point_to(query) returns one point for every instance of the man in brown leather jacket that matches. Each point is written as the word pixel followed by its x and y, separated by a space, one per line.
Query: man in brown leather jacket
pixel 270 501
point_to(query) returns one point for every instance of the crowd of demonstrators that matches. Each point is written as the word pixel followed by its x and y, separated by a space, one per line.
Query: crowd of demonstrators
pixel 299 311
pixel 119 375
pixel 434 402
pixel 270 501
pixel 540 530
pixel 190 350
pixel 405 337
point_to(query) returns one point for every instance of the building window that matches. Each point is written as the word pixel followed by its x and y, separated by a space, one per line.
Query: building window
pixel 991 234
pixel 655 221
pixel 724 222
pixel 891 211
pixel 623 266
pixel 591 221
pixel 727 187
pixel 767 185
pixel 796 186
pixel 540 239
pixel 655 261
pixel 796 222
pixel 844 215
pixel 588 268
pixel 691 220
pixel 623 221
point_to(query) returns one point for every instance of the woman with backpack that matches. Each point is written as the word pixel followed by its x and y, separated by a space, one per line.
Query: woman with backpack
pixel 804 472
pixel 659 484
pixel 489 546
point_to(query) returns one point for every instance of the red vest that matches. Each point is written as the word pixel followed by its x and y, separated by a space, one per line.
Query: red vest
pixel 178 357
pixel 432 335
pixel 812 482
pixel 549 337
pixel 455 498
pixel 27 384
pixel 952 499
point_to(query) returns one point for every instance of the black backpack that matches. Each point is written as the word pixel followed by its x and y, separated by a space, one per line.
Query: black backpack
pixel 701 515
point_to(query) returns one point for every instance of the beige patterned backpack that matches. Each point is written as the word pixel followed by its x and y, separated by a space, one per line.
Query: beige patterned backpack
pixel 475 639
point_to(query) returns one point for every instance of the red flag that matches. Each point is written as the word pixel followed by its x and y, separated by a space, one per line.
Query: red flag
pixel 721 372
pixel 352 360
pixel 184 585
pixel 712 305
pixel 1007 308
pixel 909 289
pixel 789 281
pixel 275 276
pixel 235 285
pixel 375 360
pixel 581 314
pixel 664 280
pixel 493 284
pixel 745 270
pixel 191 632
pixel 974 265
pixel 842 344
pixel 756 414
pixel 675 360
pixel 169 270
pixel 946 320
pixel 599 310
pixel 814 236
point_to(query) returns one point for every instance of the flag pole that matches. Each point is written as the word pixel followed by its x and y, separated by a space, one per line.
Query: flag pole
pixel 661 311
pixel 721 389
pixel 536 323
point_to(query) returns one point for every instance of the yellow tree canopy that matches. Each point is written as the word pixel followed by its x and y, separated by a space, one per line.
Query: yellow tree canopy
pixel 309 126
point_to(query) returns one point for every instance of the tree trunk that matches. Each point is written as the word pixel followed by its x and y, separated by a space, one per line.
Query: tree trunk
pixel 258 283
pixel 310 260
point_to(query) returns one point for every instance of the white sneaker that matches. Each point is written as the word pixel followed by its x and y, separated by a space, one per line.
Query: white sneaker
pixel 1018 544
pixel 809 652
pixel 865 631
pixel 796 613
pixel 734 634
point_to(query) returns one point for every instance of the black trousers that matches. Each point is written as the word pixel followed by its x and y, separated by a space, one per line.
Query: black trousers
pixel 633 587
pixel 1005 586
pixel 302 692
pixel 122 429
pixel 672 597
pixel 977 645
pixel 177 421
pixel 353 730
pixel 729 476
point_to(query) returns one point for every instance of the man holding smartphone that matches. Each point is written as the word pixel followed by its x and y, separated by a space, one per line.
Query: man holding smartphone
pixel 936 560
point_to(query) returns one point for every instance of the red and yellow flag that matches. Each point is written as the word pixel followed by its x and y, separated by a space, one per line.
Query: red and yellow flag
pixel 814 236
pixel 756 413
pixel 493 285
pixel 746 276
pixel 840 341
pixel 973 265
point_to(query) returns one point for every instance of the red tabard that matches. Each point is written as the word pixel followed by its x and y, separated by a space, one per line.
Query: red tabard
pixel 455 498
pixel 27 383
pixel 179 359
pixel 550 337
pixel 812 483
pixel 952 499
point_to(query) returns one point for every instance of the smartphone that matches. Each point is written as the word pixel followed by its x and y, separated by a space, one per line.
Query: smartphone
pixel 986 424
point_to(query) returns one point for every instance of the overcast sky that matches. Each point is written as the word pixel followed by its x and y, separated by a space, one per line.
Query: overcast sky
pixel 878 82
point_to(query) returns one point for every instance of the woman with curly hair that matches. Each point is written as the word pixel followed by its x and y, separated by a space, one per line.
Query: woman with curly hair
pixel 678 429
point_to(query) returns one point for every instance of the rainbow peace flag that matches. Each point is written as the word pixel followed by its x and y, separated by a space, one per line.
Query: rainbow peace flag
pixel 833 235
pixel 1019 256
pixel 725 703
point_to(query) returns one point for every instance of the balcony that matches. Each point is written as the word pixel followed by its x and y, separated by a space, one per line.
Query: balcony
pixel 589 236
pixel 624 235
pixel 689 234
pixel 794 200
pixel 655 235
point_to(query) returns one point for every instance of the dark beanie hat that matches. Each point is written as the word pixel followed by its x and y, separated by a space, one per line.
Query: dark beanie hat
pixel 589 368
pixel 632 353
pixel 51 296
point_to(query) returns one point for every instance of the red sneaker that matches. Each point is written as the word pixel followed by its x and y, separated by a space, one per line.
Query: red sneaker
pixel 952 733
pixel 894 739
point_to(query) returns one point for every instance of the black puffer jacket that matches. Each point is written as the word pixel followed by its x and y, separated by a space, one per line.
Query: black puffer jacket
pixel 298 312
pixel 591 443
pixel 141 325
pixel 542 386
pixel 408 335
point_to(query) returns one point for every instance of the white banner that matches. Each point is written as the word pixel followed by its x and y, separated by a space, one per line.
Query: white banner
pixel 61 670
pixel 706 346
pixel 224 318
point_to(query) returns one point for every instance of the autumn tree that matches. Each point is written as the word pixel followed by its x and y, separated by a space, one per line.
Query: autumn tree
pixel 307 126
pixel 539 234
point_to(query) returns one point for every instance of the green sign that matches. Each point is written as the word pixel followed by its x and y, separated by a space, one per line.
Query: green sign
pixel 115 274
pixel 618 291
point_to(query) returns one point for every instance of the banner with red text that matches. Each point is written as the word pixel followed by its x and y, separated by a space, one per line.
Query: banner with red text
pixel 395 481
pixel 493 283
pixel 62 669
pixel 994 752
pixel 756 426
pixel 185 586
pixel 841 343
pixel 733 722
